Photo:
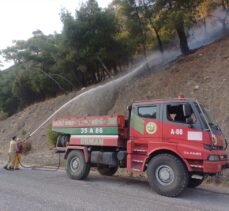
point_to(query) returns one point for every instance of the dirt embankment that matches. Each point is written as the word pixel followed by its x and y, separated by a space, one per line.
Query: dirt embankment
pixel 203 75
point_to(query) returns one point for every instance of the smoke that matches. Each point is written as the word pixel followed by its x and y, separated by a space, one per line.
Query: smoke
pixel 213 28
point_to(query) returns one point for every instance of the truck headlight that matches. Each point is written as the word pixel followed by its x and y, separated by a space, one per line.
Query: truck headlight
pixel 213 158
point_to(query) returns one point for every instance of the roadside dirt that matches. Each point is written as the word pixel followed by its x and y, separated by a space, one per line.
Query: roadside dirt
pixel 204 75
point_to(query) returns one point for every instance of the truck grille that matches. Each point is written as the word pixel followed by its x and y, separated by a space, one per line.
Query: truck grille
pixel 211 147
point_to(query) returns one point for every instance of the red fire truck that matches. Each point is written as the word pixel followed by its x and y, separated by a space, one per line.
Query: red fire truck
pixel 174 141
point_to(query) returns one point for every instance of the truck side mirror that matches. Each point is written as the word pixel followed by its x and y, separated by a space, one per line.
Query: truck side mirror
pixel 129 107
pixel 187 110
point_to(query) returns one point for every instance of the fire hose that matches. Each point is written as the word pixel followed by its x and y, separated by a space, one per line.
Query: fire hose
pixel 40 168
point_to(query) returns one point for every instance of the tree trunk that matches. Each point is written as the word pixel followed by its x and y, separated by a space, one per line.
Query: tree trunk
pixel 182 37
pixel 106 70
pixel 142 29
pixel 225 4
pixel 160 45
pixel 79 77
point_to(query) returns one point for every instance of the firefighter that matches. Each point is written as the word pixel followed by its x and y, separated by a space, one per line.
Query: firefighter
pixel 11 154
pixel 17 157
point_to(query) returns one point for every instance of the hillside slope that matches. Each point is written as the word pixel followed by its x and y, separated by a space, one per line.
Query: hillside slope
pixel 203 75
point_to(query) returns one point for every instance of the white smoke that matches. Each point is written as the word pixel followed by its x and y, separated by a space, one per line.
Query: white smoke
pixel 216 27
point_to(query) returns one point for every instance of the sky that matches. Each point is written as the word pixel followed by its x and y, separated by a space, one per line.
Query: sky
pixel 19 18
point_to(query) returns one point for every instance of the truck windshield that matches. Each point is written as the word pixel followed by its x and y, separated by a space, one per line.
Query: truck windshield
pixel 205 115
pixel 210 124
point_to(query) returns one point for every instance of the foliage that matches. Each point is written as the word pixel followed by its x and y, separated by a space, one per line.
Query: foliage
pixel 94 44
pixel 23 132
pixel 94 49
pixel 52 136
pixel 177 16
pixel 3 115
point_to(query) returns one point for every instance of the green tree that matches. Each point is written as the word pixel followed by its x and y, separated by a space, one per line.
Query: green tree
pixel 94 48
pixel 8 101
pixel 178 15
pixel 94 44
pixel 135 23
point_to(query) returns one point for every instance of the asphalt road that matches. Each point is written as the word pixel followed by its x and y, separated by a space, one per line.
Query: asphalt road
pixel 40 190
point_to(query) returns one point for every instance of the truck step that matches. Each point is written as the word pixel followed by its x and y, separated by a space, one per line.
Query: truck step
pixel 134 169
pixel 137 166
pixel 138 161
pixel 196 166
pixel 139 150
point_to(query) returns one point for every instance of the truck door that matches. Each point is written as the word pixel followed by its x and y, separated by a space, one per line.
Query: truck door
pixel 145 124
pixel 187 136
pixel 145 128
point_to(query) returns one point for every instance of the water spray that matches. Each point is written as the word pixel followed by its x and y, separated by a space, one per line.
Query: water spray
pixel 126 76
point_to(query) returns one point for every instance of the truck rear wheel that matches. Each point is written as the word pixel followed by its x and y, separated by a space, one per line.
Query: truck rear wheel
pixel 194 182
pixel 76 166
pixel 106 170
pixel 167 175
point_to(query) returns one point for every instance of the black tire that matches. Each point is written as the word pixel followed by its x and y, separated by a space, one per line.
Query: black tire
pixel 76 166
pixel 65 140
pixel 167 175
pixel 106 170
pixel 194 182
pixel 62 140
pixel 58 142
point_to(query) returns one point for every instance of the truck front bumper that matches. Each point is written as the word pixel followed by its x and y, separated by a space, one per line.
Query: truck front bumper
pixel 214 167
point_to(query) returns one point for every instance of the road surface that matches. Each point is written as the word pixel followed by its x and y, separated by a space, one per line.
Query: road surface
pixel 41 190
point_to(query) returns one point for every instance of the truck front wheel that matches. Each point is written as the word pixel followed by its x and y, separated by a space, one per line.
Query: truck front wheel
pixel 106 170
pixel 167 175
pixel 76 166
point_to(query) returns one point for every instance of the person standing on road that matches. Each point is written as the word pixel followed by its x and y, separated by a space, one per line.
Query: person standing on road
pixel 17 157
pixel 11 154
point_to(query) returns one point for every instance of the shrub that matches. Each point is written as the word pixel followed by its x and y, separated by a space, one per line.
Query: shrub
pixel 3 115
pixel 52 136
pixel 23 132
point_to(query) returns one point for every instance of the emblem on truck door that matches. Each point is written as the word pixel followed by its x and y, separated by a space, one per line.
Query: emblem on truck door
pixel 151 128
